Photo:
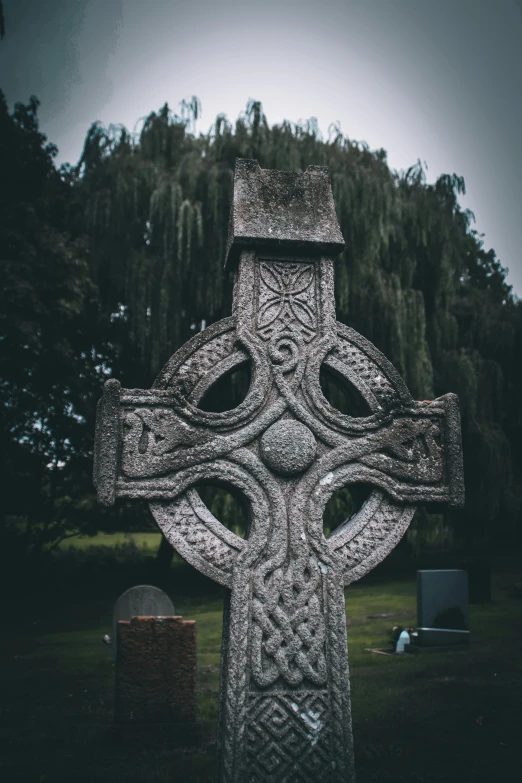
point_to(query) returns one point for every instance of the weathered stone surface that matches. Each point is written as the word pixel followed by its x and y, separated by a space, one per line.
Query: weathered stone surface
pixel 288 447
pixel 282 210
pixel 285 692
pixel 139 601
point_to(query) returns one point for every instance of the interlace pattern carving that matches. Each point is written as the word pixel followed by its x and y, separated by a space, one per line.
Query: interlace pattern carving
pixel 288 627
pixel 287 297
pixel 284 702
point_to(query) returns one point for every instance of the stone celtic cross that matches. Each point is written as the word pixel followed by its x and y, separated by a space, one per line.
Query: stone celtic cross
pixel 284 712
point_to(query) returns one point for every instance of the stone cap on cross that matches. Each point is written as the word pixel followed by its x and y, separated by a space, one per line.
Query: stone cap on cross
pixel 284 210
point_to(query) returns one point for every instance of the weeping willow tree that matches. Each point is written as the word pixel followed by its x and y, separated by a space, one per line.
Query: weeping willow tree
pixel 414 277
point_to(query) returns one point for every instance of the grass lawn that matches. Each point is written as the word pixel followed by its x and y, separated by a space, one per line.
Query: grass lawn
pixel 149 541
pixel 417 718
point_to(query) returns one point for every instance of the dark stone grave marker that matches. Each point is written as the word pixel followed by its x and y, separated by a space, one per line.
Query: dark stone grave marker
pixel 478 567
pixel 442 608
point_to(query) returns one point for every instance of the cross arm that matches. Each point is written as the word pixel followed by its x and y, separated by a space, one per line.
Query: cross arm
pixel 140 436
pixel 146 441
pixel 414 456
pixel 419 455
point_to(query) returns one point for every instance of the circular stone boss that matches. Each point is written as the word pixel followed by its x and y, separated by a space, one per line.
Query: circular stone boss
pixel 288 447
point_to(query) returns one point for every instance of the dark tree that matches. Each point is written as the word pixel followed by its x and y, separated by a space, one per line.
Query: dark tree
pixel 50 368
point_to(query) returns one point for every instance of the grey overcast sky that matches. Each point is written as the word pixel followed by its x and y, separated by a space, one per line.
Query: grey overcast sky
pixel 439 80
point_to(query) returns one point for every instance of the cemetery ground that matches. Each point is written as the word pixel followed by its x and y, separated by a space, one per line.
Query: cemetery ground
pixel 417 718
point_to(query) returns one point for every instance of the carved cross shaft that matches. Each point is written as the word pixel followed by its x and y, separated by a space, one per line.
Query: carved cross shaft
pixel 284 691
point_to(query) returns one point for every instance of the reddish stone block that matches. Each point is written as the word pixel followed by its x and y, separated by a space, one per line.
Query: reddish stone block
pixel 156 673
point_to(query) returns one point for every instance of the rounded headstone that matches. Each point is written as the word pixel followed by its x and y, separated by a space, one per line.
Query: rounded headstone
pixel 139 601
pixel 288 447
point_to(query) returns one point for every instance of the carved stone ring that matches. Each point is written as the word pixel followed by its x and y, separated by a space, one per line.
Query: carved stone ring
pixel 284 673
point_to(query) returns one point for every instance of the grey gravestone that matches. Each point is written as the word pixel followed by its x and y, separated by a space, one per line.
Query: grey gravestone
pixel 139 601
pixel 284 711
pixel 442 607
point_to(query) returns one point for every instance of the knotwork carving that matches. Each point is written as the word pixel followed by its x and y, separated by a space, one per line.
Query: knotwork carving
pixel 286 298
pixel 284 673
pixel 288 627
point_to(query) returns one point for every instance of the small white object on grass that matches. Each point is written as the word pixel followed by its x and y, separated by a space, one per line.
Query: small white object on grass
pixel 403 640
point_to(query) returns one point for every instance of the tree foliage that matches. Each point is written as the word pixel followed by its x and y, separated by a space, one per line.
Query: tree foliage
pixel 143 222
pixel 50 370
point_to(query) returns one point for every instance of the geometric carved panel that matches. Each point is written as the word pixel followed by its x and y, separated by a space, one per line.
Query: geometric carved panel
pixel 288 733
